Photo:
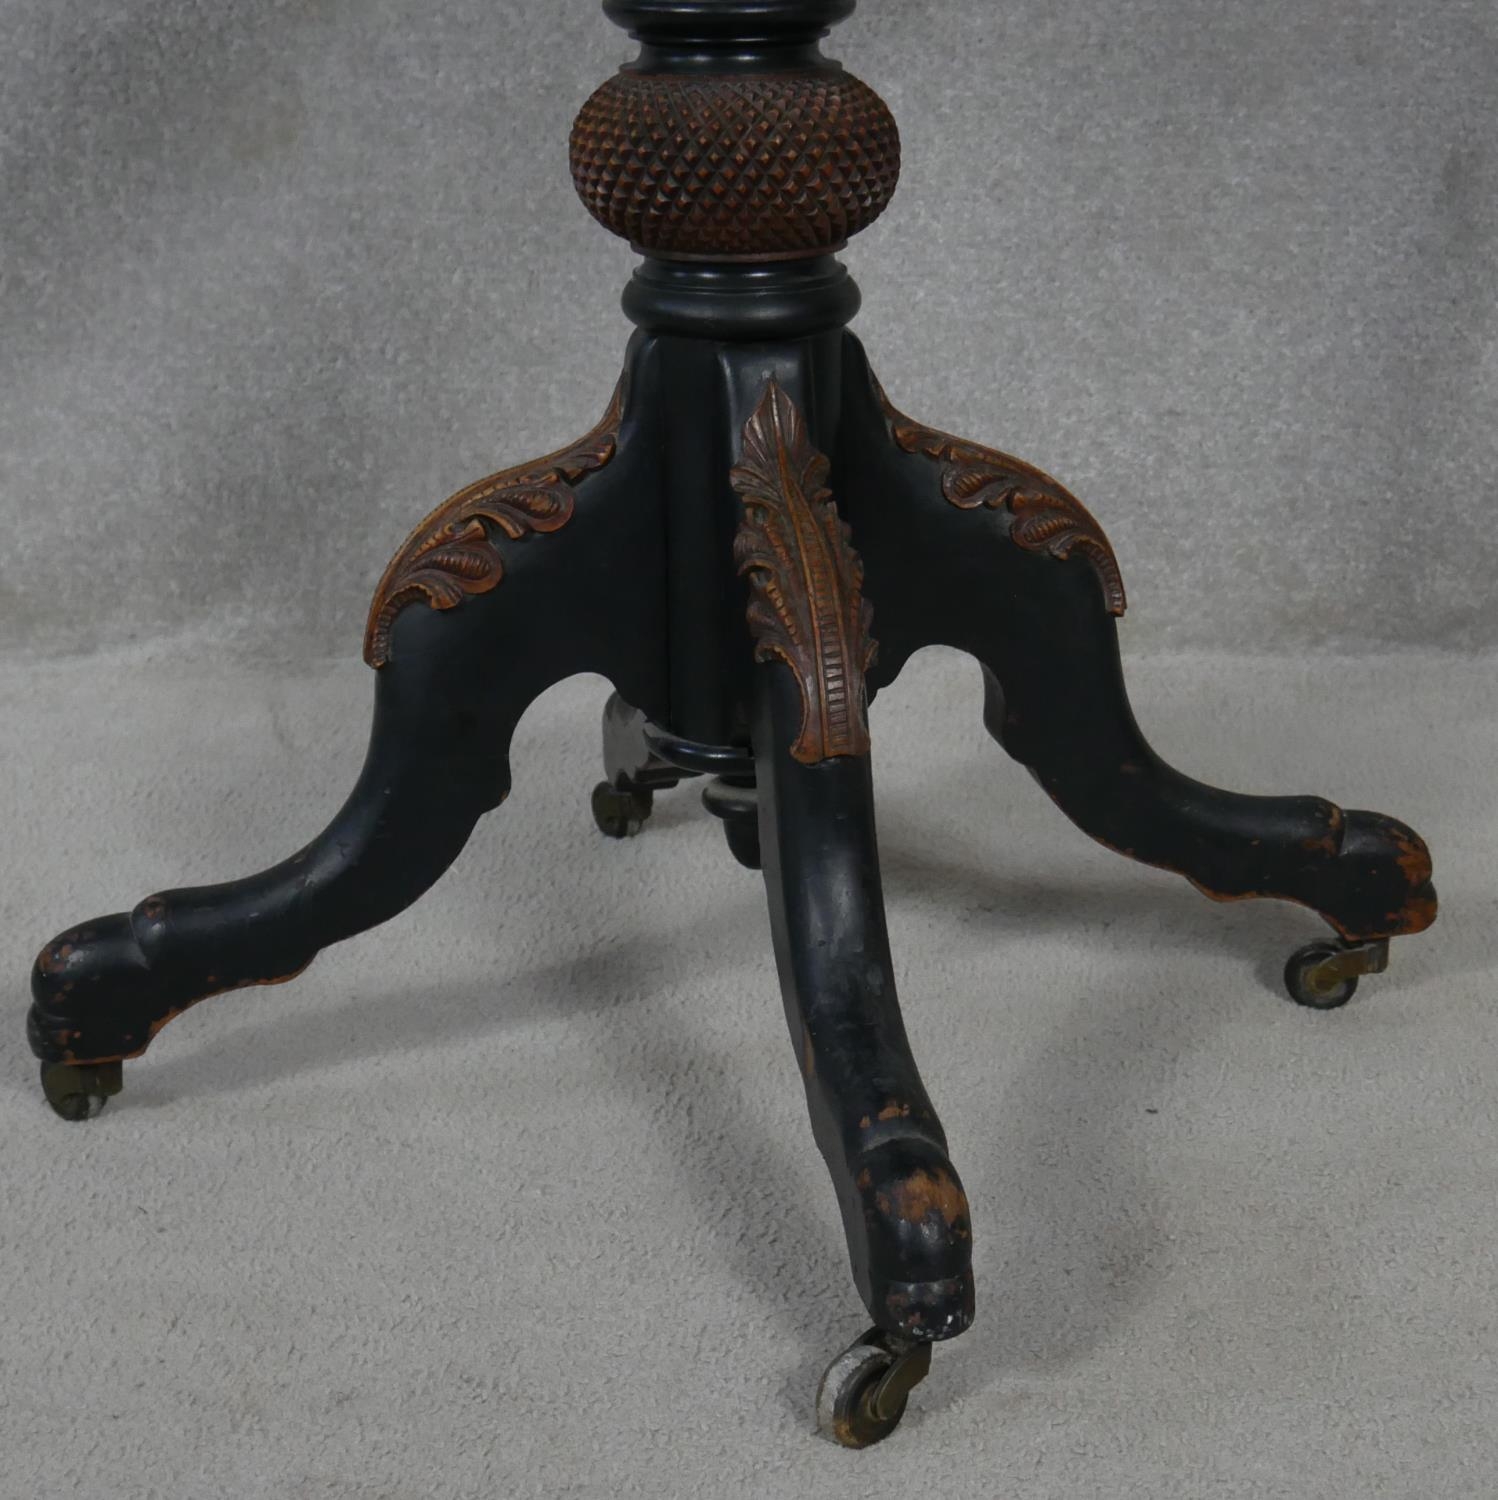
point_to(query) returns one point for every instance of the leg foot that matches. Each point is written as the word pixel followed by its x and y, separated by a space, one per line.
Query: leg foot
pixel 863 1392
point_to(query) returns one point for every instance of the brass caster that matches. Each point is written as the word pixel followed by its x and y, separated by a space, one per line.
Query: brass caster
pixel 864 1390
pixel 620 814
pixel 81 1092
pixel 1324 974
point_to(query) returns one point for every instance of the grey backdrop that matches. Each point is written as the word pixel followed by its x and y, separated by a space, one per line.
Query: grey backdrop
pixel 278 277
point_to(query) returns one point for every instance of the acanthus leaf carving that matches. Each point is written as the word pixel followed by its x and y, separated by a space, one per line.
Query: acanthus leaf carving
pixel 1046 516
pixel 451 555
pixel 806 604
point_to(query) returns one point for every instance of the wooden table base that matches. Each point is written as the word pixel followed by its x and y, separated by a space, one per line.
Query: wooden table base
pixel 748 546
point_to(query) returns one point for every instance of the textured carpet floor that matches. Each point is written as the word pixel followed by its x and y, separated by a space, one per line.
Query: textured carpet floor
pixel 516 1195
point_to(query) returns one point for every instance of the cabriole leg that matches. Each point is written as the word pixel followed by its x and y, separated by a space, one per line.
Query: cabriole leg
pixel 903 1206
pixel 968 547
pixel 459 657
pixel 904 1211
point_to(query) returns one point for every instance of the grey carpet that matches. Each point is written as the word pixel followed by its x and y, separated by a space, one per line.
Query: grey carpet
pixel 516 1196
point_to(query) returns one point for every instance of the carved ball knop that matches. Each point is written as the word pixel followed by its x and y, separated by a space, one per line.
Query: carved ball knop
pixel 736 167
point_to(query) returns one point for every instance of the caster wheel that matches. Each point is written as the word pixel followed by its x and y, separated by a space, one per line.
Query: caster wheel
pixel 1316 976
pixel 80 1093
pixel 620 814
pixel 864 1390
pixel 743 841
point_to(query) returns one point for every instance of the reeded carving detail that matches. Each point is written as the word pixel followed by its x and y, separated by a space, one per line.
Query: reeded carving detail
pixel 806 605
pixel 1047 517
pixel 452 553
pixel 744 168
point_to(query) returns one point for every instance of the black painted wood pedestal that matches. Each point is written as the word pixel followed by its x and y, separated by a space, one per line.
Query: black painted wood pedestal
pixel 749 545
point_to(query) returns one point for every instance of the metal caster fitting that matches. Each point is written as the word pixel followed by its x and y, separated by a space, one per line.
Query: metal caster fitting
pixel 80 1092
pixel 620 814
pixel 864 1390
pixel 1324 975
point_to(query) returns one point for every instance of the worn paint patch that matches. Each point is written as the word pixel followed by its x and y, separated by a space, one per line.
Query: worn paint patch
pixel 1418 914
pixel 1412 855
pixel 924 1195
pixel 53 959
pixel 899 1306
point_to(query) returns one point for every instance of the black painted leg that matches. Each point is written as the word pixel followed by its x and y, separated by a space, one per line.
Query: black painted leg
pixel 464 638
pixel 1366 874
pixel 903 1207
pixel 967 547
pixel 436 762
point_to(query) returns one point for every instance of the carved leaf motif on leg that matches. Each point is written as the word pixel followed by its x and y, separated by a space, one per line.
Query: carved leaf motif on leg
pixel 451 554
pixel 1047 517
pixel 806 604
